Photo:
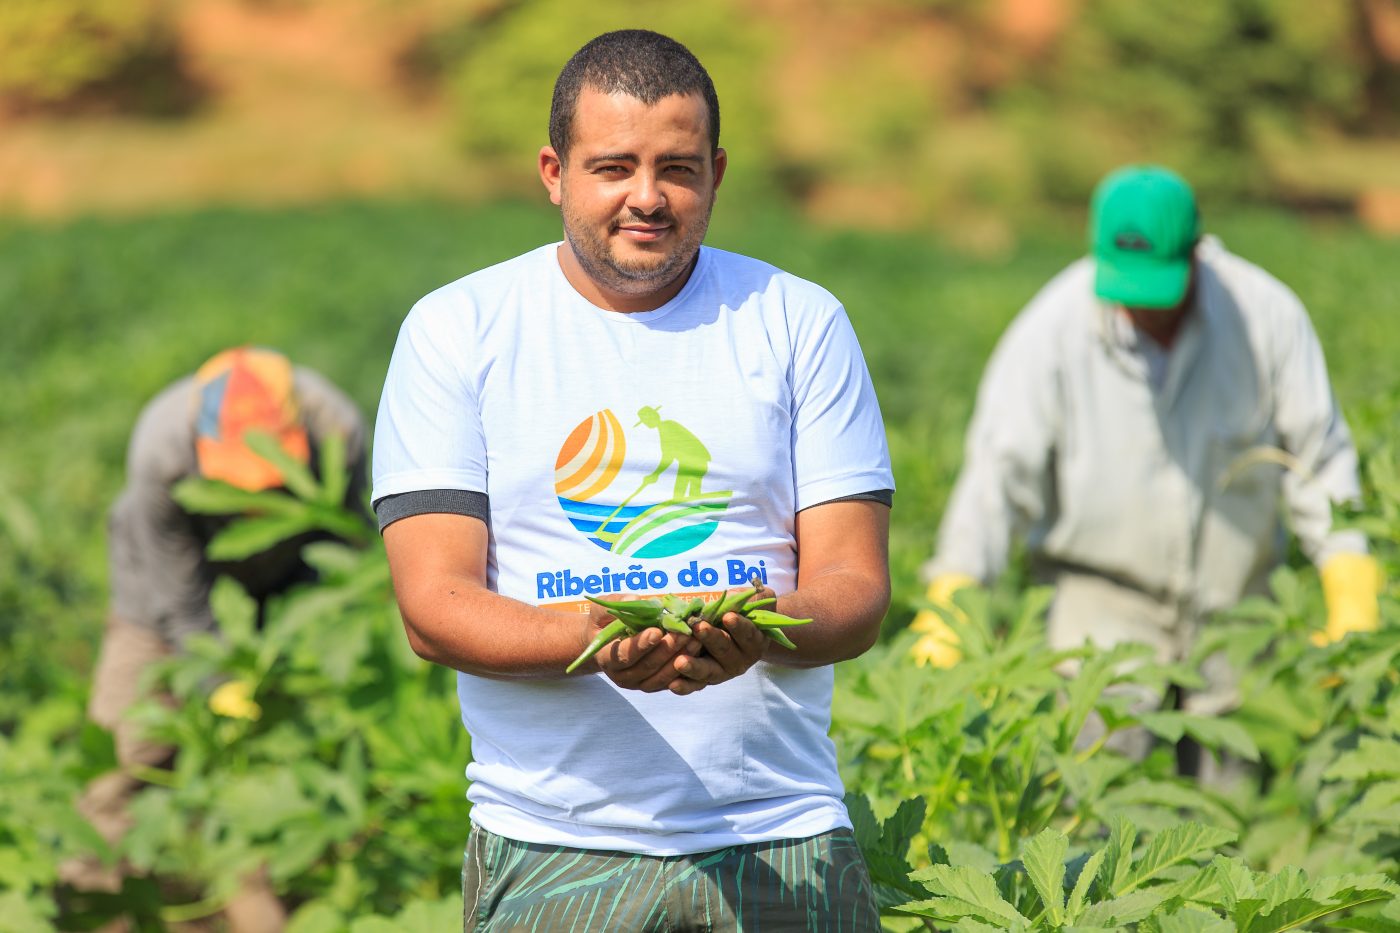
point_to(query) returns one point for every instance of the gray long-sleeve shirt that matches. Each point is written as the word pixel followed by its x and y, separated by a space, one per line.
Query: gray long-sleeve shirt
pixel 1169 477
pixel 159 575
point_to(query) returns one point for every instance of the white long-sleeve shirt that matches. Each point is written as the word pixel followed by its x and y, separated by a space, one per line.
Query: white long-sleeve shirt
pixel 1172 474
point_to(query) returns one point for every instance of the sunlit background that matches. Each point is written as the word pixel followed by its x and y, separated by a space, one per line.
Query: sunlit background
pixel 177 176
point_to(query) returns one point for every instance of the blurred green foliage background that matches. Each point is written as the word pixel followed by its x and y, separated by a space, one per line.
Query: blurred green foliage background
pixel 928 160
pixel 177 176
pixel 959 114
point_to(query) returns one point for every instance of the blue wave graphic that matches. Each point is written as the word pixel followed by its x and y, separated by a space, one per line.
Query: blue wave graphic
pixel 592 519
pixel 588 518
pixel 574 506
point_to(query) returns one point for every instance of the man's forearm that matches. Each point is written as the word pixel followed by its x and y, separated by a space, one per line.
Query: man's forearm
pixel 459 624
pixel 846 609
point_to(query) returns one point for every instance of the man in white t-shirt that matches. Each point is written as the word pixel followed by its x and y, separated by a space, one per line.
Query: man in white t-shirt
pixel 674 781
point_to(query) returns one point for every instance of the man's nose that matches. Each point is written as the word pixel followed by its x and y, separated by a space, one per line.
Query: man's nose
pixel 646 196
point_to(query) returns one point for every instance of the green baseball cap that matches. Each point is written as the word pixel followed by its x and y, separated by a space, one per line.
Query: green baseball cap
pixel 1143 226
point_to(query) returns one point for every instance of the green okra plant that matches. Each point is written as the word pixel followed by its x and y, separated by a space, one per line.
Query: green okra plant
pixel 676 613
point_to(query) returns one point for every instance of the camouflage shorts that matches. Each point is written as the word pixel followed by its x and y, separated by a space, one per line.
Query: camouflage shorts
pixel 814 884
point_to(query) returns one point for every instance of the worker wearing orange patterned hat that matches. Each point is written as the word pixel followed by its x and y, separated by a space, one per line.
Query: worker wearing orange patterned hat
pixel 160 576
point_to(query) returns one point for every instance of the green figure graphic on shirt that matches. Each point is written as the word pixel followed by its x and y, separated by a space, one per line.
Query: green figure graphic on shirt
pixel 678 446
pixel 672 525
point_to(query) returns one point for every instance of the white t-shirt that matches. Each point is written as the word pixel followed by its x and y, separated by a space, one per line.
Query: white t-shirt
pixel 645 453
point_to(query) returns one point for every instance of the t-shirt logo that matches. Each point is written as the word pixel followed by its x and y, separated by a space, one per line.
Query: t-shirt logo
pixel 641 521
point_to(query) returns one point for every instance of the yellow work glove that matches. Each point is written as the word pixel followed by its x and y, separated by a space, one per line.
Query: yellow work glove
pixel 1351 585
pixel 939 644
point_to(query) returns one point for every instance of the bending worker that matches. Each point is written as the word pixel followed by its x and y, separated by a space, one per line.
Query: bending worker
pixel 160 575
pixel 1140 422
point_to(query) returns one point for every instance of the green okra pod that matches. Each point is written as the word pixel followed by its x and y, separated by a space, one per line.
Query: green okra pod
pixel 779 636
pixel 637 608
pixel 733 601
pixel 613 630
pixel 676 605
pixel 672 622
pixel 711 610
pixel 759 604
pixel 774 620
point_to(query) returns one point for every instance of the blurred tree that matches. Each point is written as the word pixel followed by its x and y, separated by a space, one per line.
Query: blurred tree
pixel 1198 85
pixel 81 56
pixel 504 77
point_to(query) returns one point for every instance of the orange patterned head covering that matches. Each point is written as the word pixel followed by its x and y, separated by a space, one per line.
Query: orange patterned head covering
pixel 240 390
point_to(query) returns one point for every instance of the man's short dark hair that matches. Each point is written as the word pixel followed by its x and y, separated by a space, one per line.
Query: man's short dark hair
pixel 636 62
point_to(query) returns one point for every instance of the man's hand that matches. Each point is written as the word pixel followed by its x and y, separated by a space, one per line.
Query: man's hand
pixel 732 645
pixel 645 661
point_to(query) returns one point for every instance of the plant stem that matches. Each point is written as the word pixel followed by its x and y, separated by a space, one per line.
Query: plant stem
pixel 1003 837
pixel 197 910
pixel 158 776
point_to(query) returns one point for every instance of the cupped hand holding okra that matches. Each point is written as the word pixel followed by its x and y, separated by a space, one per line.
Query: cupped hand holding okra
pixel 640 643
pixel 732 643
pixel 643 661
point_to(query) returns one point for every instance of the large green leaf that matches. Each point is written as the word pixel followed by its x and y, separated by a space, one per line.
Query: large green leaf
pixel 1236 881
pixel 885 847
pixel 1287 916
pixel 1367 924
pixel 1090 871
pixel 1129 908
pixel 263 803
pixel 1379 805
pixel 340 522
pixel 865 826
pixel 1169 796
pixel 1084 689
pixel 968 892
pixel 1372 758
pixel 1192 919
pixel 298 847
pixel 216 497
pixel 334 477
pixel 971 855
pixel 1348 887
pixel 296 476
pixel 254 535
pixel 1118 857
pixel 377 925
pixel 969 925
pixel 1044 859
pixel 1209 731
pixel 1327 896
pixel 234 610
pixel 430 916
pixel 21 913
pixel 1176 845
pixel 316 917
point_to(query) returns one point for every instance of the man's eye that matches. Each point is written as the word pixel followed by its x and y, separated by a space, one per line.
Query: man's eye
pixel 681 169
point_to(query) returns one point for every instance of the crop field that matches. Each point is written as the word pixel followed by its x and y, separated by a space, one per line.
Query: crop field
pixel 348 785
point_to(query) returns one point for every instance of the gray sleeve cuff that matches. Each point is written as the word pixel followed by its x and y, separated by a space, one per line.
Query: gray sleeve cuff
pixel 390 509
pixel 883 496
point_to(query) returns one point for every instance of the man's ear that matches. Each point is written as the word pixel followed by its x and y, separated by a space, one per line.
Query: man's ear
pixel 551 172
pixel 721 162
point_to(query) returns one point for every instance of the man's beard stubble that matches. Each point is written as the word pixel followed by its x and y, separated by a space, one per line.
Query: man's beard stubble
pixel 595 254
